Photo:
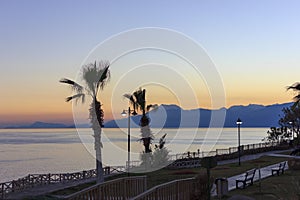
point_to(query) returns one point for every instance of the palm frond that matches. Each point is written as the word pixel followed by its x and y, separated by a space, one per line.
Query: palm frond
pixel 140 100
pixel 104 78
pixel 149 107
pixel 76 97
pixel 90 77
pixel 153 106
pixel 75 86
pixel 162 141
pixel 297 98
pixel 295 86
pixel 96 76
pixel 128 96
pixel 144 94
pixel 295 105
pixel 132 101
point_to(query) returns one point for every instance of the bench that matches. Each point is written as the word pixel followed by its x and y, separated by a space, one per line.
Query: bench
pixel 248 177
pixel 279 169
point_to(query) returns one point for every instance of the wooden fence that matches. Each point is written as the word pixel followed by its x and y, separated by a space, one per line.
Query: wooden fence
pixel 178 189
pixel 33 180
pixel 118 189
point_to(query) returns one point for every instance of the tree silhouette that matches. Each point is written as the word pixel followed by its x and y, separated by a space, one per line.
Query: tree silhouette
pixel 138 100
pixel 295 87
pixel 95 76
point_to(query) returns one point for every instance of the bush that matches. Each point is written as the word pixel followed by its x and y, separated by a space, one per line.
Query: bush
pixel 160 158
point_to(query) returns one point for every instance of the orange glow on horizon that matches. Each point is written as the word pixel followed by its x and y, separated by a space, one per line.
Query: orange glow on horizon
pixel 51 106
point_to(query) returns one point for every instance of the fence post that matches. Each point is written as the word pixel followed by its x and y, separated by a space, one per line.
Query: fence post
pixel 145 183
pixel 177 189
pixel 28 179
pixel 2 191
pixel 125 188
pixel 49 178
pixel 13 186
pixel 83 174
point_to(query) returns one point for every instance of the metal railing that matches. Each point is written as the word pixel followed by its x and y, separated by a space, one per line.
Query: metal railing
pixel 178 189
pixel 33 180
pixel 122 188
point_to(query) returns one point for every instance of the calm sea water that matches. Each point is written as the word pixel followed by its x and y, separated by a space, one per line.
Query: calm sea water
pixel 31 151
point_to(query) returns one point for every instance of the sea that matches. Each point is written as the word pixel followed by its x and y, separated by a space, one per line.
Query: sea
pixel 36 151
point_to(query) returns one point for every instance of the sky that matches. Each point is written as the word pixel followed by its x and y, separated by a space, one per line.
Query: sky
pixel 254 46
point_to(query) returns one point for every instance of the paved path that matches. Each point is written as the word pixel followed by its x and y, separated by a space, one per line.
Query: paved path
pixel 265 171
pixel 256 156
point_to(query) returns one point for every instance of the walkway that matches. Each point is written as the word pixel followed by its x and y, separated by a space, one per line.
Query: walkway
pixel 265 171
pixel 256 156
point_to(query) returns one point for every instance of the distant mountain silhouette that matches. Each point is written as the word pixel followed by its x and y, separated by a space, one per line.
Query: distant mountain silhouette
pixel 46 125
pixel 172 116
pixel 40 125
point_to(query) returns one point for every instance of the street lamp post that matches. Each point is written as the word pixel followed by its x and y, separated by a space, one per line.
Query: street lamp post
pixel 292 125
pixel 124 113
pixel 239 122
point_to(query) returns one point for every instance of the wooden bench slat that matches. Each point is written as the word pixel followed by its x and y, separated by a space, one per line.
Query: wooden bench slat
pixel 279 169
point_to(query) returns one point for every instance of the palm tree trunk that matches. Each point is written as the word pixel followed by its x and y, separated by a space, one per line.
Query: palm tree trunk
pixel 99 166
pixel 146 142
pixel 96 117
pixel 146 133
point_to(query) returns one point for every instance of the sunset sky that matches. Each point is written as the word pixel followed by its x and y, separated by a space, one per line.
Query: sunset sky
pixel 254 45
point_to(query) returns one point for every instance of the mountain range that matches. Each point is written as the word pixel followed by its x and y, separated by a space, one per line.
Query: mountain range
pixel 172 116
pixel 47 125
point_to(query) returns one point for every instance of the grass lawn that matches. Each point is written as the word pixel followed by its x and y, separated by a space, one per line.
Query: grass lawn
pixel 286 186
pixel 164 175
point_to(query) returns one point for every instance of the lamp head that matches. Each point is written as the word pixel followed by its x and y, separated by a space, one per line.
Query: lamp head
pixel 124 113
pixel 239 121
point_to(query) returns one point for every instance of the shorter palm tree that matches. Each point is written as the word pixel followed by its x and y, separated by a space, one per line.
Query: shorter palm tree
pixel 138 100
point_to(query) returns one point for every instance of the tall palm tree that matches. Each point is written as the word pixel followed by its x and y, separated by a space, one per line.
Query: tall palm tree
pixel 95 76
pixel 296 88
pixel 138 100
